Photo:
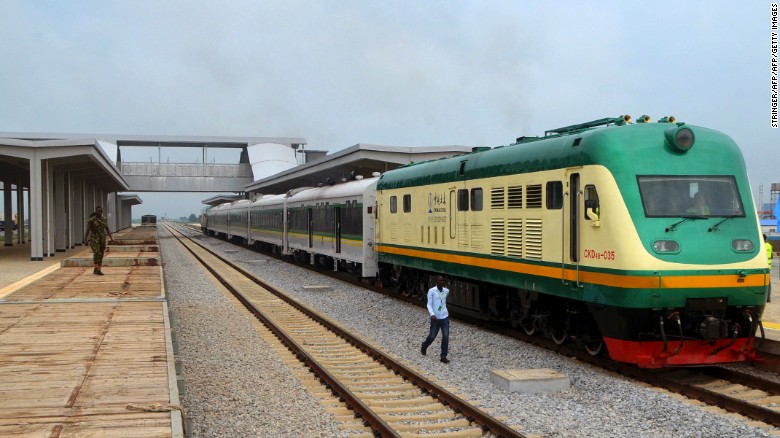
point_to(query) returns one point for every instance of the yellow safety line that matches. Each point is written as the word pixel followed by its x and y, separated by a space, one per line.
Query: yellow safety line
pixel 771 325
pixel 13 287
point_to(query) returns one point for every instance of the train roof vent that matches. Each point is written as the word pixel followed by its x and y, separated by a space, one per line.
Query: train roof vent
pixel 525 139
pixel 295 191
pixel 480 149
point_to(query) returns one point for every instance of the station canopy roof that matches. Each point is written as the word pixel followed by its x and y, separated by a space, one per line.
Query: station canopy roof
pixel 81 157
pixel 129 198
pixel 221 199
pixel 360 159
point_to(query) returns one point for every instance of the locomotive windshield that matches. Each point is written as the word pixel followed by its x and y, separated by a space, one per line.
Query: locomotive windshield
pixel 682 195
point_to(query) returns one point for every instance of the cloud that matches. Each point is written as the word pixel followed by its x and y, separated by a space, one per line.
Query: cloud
pixel 416 73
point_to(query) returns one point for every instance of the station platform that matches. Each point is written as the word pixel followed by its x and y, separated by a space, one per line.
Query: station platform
pixel 771 317
pixel 87 355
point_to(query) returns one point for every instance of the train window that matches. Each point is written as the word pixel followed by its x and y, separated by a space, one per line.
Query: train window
pixel 515 196
pixel 351 220
pixel 407 203
pixel 533 196
pixel 393 204
pixel 554 195
pixel 591 202
pixel 684 195
pixel 476 199
pixel 463 200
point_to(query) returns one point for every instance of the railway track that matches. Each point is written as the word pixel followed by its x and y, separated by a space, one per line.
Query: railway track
pixel 389 397
pixel 761 397
pixel 733 391
pixel 747 395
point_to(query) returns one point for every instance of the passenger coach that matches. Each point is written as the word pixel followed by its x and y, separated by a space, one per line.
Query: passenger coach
pixel 336 224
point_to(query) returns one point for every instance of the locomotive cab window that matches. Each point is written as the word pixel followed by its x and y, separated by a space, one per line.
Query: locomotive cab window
pixel 393 204
pixel 683 195
pixel 407 203
pixel 592 210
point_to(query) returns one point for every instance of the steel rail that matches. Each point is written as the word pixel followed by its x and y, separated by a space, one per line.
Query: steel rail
pixel 742 378
pixel 656 378
pixel 471 412
pixel 361 409
pixel 709 397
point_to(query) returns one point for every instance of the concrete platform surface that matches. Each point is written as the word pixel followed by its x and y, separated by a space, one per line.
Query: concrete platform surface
pixel 771 317
pixel 87 355
pixel 15 263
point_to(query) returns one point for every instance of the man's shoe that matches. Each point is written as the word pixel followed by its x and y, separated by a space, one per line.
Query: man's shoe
pixel 423 350
pixel 98 272
pixel 444 360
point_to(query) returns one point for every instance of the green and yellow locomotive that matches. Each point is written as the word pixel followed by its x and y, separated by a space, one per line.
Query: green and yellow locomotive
pixel 639 237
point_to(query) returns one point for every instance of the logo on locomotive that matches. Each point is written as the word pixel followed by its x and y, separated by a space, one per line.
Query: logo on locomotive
pixel 437 203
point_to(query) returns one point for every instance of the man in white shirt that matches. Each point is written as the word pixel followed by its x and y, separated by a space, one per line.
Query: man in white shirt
pixel 437 309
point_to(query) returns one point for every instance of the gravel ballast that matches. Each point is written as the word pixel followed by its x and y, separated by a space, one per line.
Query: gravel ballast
pixel 235 386
pixel 225 364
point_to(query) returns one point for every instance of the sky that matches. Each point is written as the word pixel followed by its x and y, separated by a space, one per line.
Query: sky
pixel 404 73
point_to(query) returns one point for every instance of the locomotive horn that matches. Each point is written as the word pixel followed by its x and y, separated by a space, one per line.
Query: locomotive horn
pixel 622 120
pixel 643 119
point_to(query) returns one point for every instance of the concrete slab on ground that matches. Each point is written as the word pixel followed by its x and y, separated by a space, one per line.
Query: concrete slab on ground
pixel 529 381
pixel 110 259
pixel 133 248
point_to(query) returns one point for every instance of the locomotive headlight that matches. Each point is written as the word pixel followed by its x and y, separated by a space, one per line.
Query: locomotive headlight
pixel 680 138
pixel 666 246
pixel 742 245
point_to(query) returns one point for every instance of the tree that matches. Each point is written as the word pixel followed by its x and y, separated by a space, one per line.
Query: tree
pixel 193 218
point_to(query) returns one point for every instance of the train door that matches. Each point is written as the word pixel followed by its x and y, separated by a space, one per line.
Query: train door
pixel 309 223
pixel 337 231
pixel 228 221
pixel 574 222
pixel 285 230
pixel 248 232
pixel 367 221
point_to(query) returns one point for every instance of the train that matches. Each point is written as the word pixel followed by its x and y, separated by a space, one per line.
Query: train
pixel 634 240
pixel 149 219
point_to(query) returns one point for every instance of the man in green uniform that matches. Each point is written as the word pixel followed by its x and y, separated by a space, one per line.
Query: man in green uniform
pixel 97 229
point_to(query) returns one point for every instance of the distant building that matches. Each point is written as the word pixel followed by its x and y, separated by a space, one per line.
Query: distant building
pixel 769 226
